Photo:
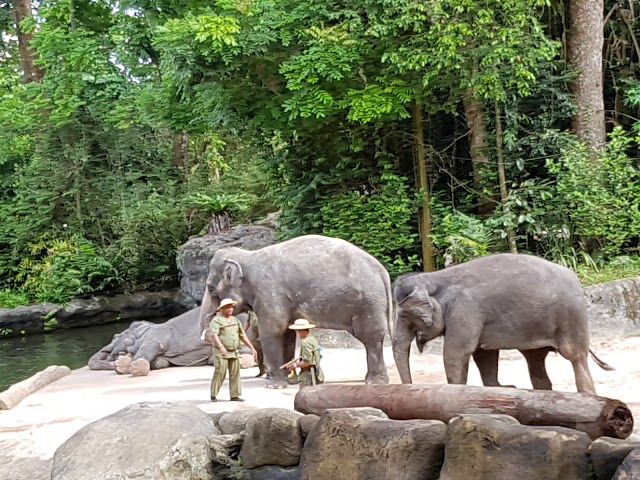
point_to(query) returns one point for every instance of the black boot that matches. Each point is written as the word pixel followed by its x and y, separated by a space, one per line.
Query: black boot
pixel 237 399
pixel 213 399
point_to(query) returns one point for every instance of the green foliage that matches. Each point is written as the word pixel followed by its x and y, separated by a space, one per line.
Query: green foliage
pixel 219 204
pixel 50 324
pixel 57 270
pixel 459 237
pixel 148 232
pixel 12 299
pixel 617 267
pixel 154 115
pixel 378 220
pixel 600 194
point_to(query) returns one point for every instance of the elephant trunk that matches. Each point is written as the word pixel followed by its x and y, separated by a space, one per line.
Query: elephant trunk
pixel 207 310
pixel 401 349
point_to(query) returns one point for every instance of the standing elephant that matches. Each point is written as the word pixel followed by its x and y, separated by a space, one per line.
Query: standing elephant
pixel 328 281
pixel 503 301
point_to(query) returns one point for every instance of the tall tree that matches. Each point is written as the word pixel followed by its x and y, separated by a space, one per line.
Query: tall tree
pixel 30 71
pixel 586 38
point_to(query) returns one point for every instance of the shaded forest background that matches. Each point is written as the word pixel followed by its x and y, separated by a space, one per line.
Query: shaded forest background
pixel 427 133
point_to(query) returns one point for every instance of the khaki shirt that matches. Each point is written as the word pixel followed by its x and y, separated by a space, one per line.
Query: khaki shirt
pixel 310 350
pixel 310 353
pixel 230 332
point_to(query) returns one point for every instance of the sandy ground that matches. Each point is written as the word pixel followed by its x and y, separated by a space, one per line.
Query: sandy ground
pixel 33 430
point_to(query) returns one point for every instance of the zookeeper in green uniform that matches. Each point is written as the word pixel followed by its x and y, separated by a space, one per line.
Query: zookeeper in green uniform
pixel 309 361
pixel 227 333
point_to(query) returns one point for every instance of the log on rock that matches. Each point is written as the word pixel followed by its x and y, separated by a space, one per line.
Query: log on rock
pixel 596 416
pixel 18 392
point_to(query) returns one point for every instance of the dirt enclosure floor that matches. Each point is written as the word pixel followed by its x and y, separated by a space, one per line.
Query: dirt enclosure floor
pixel 31 432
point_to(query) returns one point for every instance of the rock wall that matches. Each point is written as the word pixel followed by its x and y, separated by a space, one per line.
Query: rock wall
pixel 95 310
pixel 353 443
pixel 614 307
pixel 194 256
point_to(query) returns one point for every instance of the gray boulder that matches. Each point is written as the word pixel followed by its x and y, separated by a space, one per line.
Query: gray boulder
pixel 235 422
pixel 272 437
pixel 143 441
pixel 608 453
pixel 271 472
pixel 224 453
pixel 354 443
pixel 630 467
pixel 194 256
pixel 613 307
pixel 307 423
pixel 500 448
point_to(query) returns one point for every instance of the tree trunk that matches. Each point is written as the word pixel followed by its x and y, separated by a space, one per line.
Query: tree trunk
pixel 180 148
pixel 502 178
pixel 18 392
pixel 596 416
pixel 422 181
pixel 585 43
pixel 474 114
pixel 30 71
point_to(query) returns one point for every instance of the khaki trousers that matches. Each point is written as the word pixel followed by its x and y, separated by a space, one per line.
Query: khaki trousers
pixel 220 372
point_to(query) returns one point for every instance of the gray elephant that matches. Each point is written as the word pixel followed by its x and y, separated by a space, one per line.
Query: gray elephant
pixel 174 342
pixel 328 281
pixel 503 301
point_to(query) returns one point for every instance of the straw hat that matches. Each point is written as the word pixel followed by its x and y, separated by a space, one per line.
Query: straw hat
pixel 301 324
pixel 227 302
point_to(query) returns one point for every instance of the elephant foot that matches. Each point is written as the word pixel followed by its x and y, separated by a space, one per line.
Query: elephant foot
pixel 377 380
pixel 293 380
pixel 276 384
pixel 123 364
pixel 140 367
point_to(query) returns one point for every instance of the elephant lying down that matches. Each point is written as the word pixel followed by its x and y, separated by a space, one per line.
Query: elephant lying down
pixel 175 342
pixel 502 301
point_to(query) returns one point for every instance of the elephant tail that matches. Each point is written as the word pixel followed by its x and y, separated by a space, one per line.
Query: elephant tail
pixel 390 312
pixel 601 364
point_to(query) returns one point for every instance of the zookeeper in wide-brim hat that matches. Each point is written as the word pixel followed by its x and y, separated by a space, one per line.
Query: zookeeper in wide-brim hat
pixel 309 361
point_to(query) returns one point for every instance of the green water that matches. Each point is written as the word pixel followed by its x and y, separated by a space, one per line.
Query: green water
pixel 21 357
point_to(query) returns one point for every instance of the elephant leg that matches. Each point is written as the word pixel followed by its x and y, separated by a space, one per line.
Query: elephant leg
pixel 487 363
pixel 537 370
pixel 459 345
pixel 579 360
pixel 275 355
pixel 374 345
pixel 149 351
pixel 160 362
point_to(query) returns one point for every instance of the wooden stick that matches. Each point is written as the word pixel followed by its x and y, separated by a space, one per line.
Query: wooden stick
pixel 596 416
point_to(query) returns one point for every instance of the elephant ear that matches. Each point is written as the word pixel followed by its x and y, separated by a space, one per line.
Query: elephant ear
pixel 232 271
pixel 419 304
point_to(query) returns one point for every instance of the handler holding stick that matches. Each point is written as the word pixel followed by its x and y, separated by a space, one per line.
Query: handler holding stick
pixel 309 361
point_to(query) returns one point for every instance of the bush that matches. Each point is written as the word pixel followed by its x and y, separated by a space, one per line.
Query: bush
pixel 379 220
pixel 458 237
pixel 12 299
pixel 58 269
pixel 600 195
pixel 148 233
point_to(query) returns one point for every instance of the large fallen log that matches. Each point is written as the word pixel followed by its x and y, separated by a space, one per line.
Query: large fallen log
pixel 596 416
pixel 19 391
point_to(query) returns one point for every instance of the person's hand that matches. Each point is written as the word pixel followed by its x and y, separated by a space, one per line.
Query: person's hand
pixel 255 354
pixel 223 351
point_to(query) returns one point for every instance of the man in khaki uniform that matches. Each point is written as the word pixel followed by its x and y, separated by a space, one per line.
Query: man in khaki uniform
pixel 227 333
pixel 309 360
